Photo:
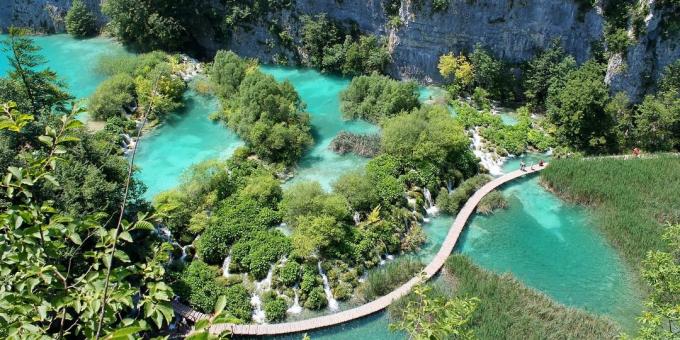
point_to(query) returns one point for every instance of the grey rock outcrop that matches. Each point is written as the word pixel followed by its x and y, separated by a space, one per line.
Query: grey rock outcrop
pixel 44 15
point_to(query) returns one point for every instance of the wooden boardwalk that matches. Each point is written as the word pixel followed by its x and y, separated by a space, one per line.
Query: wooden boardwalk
pixel 375 305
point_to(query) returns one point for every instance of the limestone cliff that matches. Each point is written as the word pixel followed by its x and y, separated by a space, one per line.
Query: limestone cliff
pixel 510 29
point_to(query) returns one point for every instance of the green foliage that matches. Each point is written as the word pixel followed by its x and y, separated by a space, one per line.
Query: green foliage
pixel 432 317
pixel 388 277
pixel 492 75
pixel 376 97
pixel 431 142
pixel 289 274
pixel 258 251
pixel 111 97
pixel 618 41
pixel 316 299
pixel 657 122
pixel 451 202
pixel 492 202
pixel 548 69
pixel 440 5
pixel 317 235
pixel 358 189
pixel 577 108
pixel 661 271
pixel 266 114
pixel 502 296
pixel 80 22
pixel 309 198
pixel 35 88
pixel 227 73
pixel 329 47
pixel 631 198
pixel 55 265
pixel 275 309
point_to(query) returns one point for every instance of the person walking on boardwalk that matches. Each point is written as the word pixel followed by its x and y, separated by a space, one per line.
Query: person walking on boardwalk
pixel 522 166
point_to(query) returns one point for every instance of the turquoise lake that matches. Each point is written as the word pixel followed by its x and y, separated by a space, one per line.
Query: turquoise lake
pixel 546 243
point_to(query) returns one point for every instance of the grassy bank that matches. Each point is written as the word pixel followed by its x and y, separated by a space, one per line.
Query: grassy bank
pixel 509 310
pixel 633 199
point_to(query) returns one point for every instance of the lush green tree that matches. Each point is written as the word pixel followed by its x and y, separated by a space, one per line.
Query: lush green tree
pixel 267 115
pixel 671 78
pixel 256 252
pixel 577 108
pixel 227 73
pixel 429 140
pixel 318 33
pixel 376 97
pixel 358 189
pixel 111 97
pixel 275 309
pixel 661 271
pixel 40 85
pixel 430 317
pixel 458 69
pixel 57 266
pixel 160 90
pixel 548 69
pixel 80 21
pixel 309 198
pixel 317 235
pixel 657 122
pixel 150 24
pixel 367 55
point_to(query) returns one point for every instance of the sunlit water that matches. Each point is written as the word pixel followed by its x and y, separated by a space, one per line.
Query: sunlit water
pixel 547 244
pixel 73 60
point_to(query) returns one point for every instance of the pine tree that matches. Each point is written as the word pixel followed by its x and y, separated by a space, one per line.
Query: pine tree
pixel 80 22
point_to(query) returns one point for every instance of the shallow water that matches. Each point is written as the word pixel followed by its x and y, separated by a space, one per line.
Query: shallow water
pixel 547 244
pixel 73 60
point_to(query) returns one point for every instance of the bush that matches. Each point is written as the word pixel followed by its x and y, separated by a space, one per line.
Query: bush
pixel 376 97
pixel 451 202
pixel 213 245
pixel 80 22
pixel 492 202
pixel 275 309
pixel 197 286
pixel 289 274
pixel 316 299
pixel 385 279
pixel 112 97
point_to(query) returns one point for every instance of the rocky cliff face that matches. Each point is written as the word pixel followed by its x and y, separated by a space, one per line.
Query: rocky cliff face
pixel 44 15
pixel 511 29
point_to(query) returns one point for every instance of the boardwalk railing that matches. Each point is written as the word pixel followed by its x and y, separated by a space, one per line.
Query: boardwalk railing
pixel 376 305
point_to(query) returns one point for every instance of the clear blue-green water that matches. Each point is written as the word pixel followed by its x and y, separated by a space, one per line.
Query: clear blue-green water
pixel 73 60
pixel 546 243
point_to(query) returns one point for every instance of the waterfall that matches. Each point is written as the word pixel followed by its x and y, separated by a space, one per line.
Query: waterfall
pixel 357 218
pixel 225 266
pixel 332 302
pixel 486 158
pixel 430 207
pixel 295 308
pixel 255 301
pixel 449 185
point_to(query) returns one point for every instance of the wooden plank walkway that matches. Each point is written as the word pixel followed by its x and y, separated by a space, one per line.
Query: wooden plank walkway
pixel 376 305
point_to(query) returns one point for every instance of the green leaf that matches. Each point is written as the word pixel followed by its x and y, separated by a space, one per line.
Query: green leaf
pixel 221 303
pixel 125 236
pixel 124 333
pixel 75 238
pixel 47 140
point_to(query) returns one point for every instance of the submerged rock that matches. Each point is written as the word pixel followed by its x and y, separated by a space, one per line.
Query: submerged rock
pixel 362 145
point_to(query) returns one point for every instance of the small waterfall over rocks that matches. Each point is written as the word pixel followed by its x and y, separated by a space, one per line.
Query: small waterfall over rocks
pixel 495 166
pixel 225 266
pixel 332 302
pixel 430 206
pixel 295 308
pixel 255 301
pixel 357 218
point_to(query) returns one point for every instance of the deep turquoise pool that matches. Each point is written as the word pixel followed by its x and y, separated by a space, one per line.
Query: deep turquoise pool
pixel 546 243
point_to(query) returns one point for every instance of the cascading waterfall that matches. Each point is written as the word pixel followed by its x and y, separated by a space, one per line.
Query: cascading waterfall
pixel 332 302
pixel 295 308
pixel 225 266
pixel 430 207
pixel 357 218
pixel 255 301
pixel 495 166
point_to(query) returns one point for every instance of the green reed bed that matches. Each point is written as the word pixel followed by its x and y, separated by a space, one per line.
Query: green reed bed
pixel 633 199
pixel 388 277
pixel 509 310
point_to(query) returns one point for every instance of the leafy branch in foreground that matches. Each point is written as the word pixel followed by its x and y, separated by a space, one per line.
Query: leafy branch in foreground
pixel 434 317
pixel 53 265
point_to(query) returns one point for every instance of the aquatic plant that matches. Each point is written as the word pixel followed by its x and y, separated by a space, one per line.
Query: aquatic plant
pixel 383 280
pixel 632 199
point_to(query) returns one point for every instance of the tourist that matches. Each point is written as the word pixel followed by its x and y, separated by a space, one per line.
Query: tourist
pixel 522 166
pixel 540 163
pixel 636 151
pixel 532 166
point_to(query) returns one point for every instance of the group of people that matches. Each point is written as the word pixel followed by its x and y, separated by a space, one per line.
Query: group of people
pixel 523 166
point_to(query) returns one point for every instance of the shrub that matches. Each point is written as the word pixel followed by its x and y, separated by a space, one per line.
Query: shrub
pixel 197 286
pixel 492 202
pixel 289 274
pixel 376 97
pixel 80 22
pixel 275 309
pixel 316 299
pixel 111 97
pixel 451 202
pixel 213 245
